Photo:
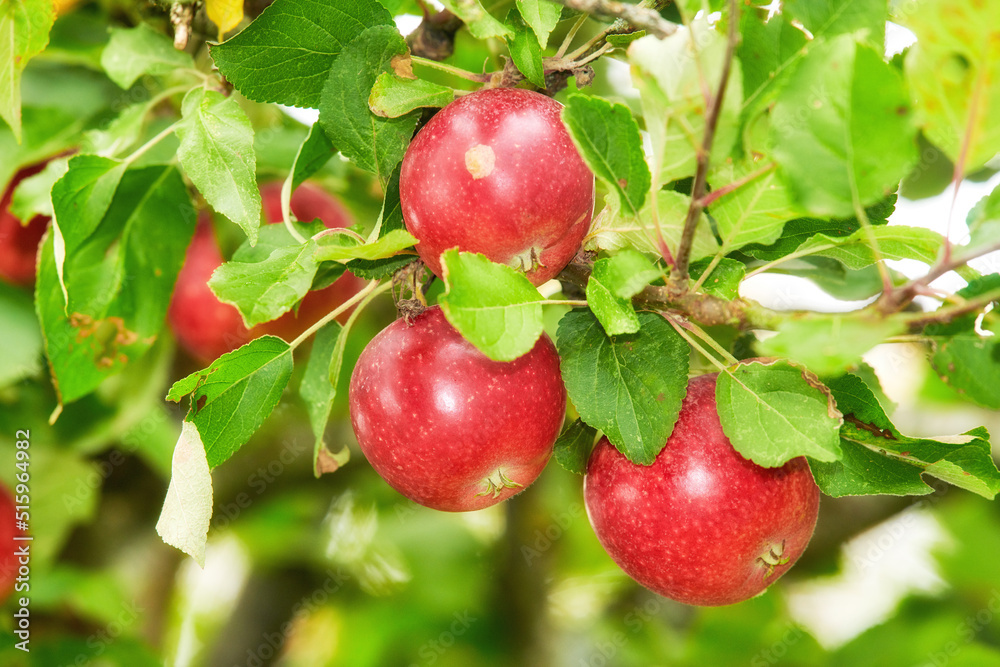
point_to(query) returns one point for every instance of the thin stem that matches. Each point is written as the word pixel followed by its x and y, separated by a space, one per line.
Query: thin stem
pixel 137 153
pixel 286 209
pixel 683 258
pixel 719 193
pixel 571 34
pixel 371 289
pixel 790 256
pixel 563 302
pixel 694 344
pixel 450 69
pixel 714 344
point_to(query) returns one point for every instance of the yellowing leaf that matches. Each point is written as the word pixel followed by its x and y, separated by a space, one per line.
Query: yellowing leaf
pixel 187 509
pixel 226 14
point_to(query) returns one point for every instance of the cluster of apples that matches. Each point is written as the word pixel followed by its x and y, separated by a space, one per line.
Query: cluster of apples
pixel 496 172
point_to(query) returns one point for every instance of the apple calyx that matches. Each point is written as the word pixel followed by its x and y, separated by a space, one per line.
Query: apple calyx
pixel 527 260
pixel 496 483
pixel 772 558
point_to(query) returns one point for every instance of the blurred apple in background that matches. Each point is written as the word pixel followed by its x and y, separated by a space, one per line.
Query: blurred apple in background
pixel 18 242
pixel 208 328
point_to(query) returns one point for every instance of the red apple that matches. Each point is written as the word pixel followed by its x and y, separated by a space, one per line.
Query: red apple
pixel 308 203
pixel 19 243
pixel 208 328
pixel 701 525
pixel 448 427
pixel 8 530
pixel 204 326
pixel 496 172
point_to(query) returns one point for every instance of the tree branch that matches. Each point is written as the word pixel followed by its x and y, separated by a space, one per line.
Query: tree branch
pixel 679 275
pixel 641 17
pixel 900 298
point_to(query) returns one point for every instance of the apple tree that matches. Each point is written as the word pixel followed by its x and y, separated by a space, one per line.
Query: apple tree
pixel 575 207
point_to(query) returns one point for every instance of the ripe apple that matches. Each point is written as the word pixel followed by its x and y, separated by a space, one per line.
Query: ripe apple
pixel 308 203
pixel 448 427
pixel 702 525
pixel 204 326
pixel 208 328
pixel 19 243
pixel 8 530
pixel 496 172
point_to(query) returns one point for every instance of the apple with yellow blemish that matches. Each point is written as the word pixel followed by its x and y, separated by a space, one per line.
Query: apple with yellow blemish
pixel 496 172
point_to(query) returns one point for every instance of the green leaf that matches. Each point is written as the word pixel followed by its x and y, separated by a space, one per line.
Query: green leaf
pixel 614 230
pixel 630 386
pixel 756 211
pixel 724 281
pixel 480 23
pixel 613 282
pixel 607 137
pixel 769 51
pixel 772 413
pixel 33 195
pixel 319 389
pixel 878 459
pixel 390 219
pixel 24 33
pixel 312 155
pixel 393 96
pixel 121 133
pixel 970 364
pixel 953 72
pixel 338 247
pixel 273 238
pixel 622 41
pixel 285 54
pixel 265 290
pixel 798 231
pixel 829 344
pixel 80 199
pixel 573 447
pixel 373 143
pixel 187 509
pixel 984 223
pixel 217 154
pixel 863 19
pixel 493 306
pixel 524 49
pixel 132 52
pixel 893 242
pixel 119 278
pixel 542 16
pixel 231 398
pixel 842 128
pixel 20 333
pixel 672 87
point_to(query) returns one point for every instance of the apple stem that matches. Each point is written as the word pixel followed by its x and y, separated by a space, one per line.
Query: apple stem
pixel 370 291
